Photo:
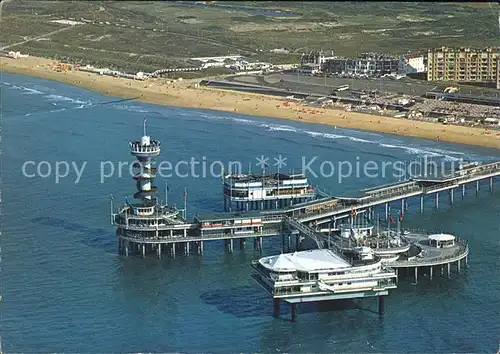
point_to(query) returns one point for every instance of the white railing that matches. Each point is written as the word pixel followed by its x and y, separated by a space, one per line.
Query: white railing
pixel 462 252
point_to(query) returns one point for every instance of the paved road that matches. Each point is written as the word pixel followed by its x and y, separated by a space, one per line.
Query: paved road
pixel 38 37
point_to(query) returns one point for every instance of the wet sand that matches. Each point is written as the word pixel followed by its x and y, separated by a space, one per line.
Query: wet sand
pixel 185 94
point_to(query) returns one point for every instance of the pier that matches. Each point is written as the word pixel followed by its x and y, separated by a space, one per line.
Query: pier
pixel 286 205
pixel 148 227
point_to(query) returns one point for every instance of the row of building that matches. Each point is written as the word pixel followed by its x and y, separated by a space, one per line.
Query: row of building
pixel 233 62
pixel 369 64
pixel 439 64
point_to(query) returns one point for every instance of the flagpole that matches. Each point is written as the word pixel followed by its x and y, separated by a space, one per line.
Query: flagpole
pixel 185 203
pixel 378 229
pixel 329 233
pixel 112 209
pixel 166 193
pixel 278 183
pixel 230 188
pixel 399 224
pixel 248 184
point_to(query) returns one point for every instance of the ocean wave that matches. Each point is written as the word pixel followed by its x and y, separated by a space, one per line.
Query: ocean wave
pixel 434 152
pixel 136 109
pixel 59 98
pixel 358 137
pixel 278 128
pixel 26 90
pixel 57 110
pixel 352 138
pixel 324 135
pixel 87 105
pixel 244 121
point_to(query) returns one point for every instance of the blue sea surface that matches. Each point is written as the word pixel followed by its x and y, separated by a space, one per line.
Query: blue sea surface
pixel 65 289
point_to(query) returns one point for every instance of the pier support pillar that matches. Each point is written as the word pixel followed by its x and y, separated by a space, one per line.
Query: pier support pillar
pixel 452 192
pixel 422 204
pixel 289 242
pixel 201 247
pixel 463 191
pixel 381 305
pixel 158 250
pixel 260 244
pixel 173 250
pixel 449 270
pixel 297 242
pixel 276 307
pixel 242 243
pixel 437 200
pixel 416 275
pixel 397 275
pixel 187 247
pixel 491 184
pixel 294 312
pixel 143 250
pixel 282 243
pixel 466 261
pixel 458 266
pixel 430 272
pixel 126 248
pixel 477 188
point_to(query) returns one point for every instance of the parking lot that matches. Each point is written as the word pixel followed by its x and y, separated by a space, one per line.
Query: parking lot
pixel 324 85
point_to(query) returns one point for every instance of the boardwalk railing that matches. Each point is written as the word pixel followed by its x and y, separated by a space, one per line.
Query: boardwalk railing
pixel 313 234
pixel 189 238
pixel 386 195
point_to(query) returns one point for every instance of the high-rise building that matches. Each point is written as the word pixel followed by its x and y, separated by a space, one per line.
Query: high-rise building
pixel 463 64
pixel 370 64
pixel 498 74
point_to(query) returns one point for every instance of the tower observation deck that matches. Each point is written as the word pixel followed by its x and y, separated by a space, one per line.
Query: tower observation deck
pixel 146 219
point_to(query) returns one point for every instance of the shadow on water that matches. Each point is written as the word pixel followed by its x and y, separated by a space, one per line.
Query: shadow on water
pixel 97 238
pixel 244 301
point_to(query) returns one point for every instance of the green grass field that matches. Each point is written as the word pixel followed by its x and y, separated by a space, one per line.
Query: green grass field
pixel 146 35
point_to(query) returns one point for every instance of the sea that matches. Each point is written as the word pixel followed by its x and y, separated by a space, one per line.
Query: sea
pixel 65 289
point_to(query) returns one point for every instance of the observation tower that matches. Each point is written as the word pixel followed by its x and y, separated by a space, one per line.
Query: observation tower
pixel 147 225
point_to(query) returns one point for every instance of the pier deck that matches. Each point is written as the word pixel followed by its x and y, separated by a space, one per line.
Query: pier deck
pixel 266 223
pixel 432 256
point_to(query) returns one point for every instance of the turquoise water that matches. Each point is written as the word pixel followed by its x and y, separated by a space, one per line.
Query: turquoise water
pixel 65 289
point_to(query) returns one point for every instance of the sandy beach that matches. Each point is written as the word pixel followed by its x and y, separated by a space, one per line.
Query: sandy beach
pixel 185 94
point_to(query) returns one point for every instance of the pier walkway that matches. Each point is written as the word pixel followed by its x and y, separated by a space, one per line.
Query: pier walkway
pixel 431 256
pixel 303 229
pixel 323 210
